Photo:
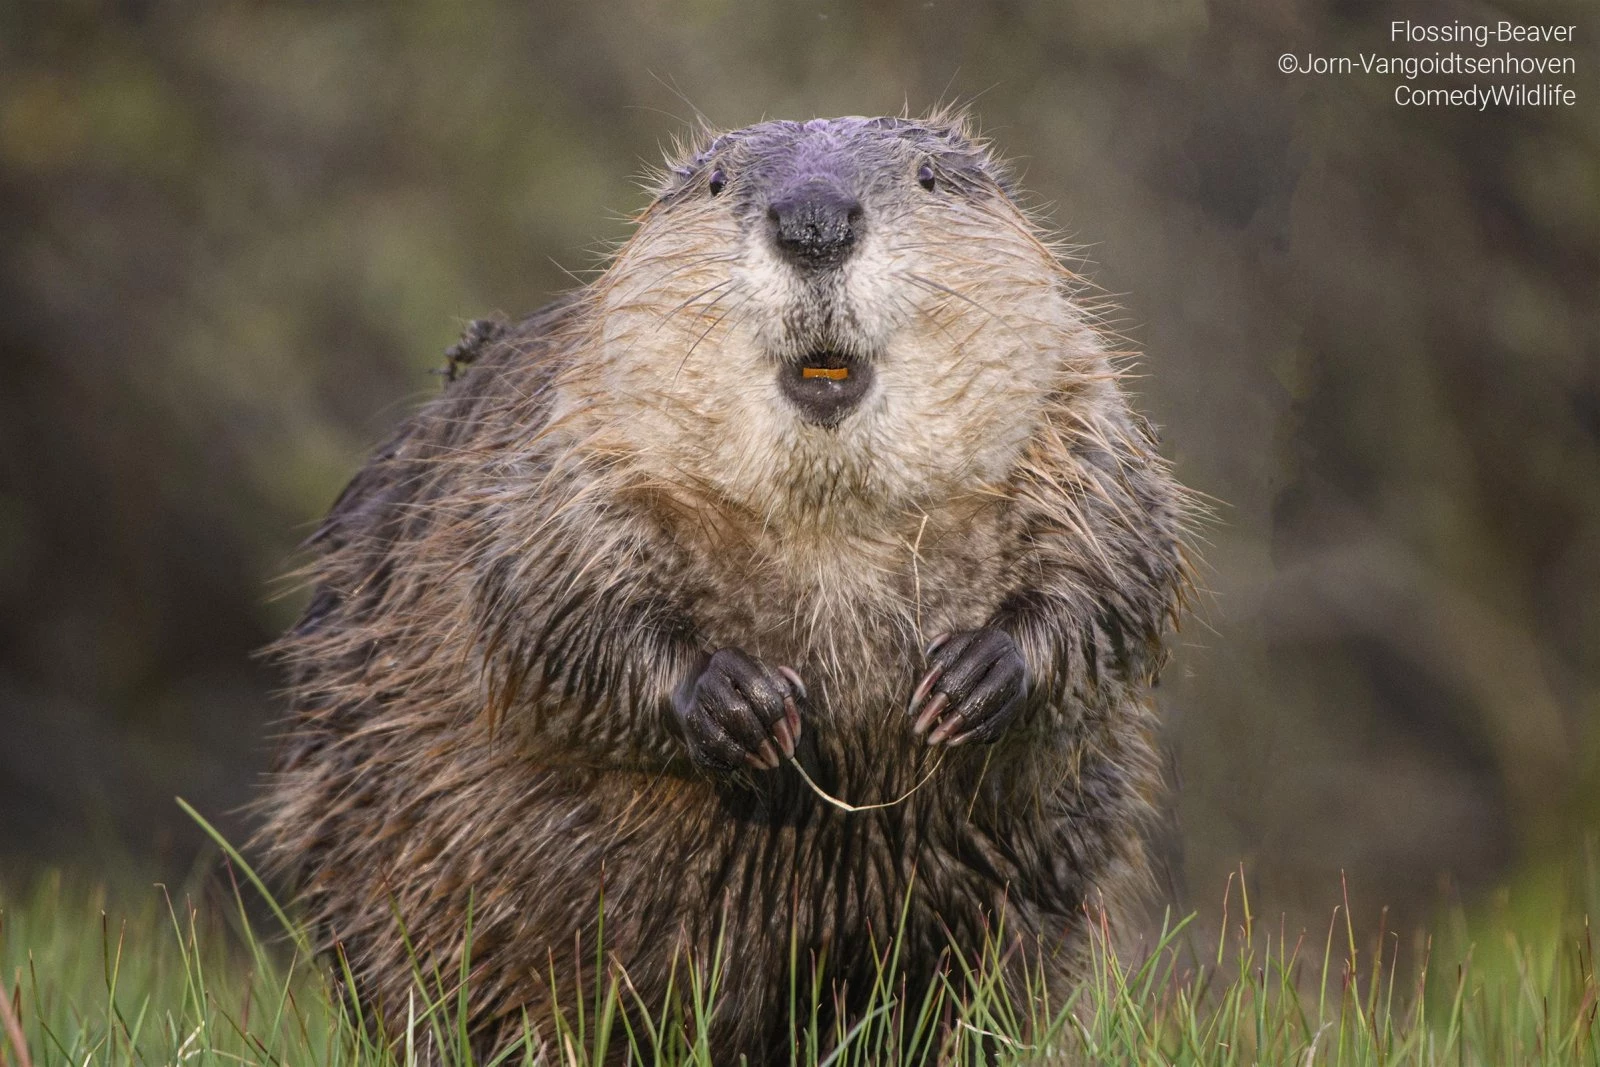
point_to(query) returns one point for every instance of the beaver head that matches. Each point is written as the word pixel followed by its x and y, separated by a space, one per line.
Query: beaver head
pixel 847 312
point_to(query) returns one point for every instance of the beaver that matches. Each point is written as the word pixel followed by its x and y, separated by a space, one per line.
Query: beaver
pixel 791 592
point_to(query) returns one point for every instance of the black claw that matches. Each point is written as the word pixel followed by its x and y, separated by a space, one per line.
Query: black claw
pixel 923 689
pixel 930 714
pixel 780 730
pixel 794 680
pixel 972 690
pixel 738 712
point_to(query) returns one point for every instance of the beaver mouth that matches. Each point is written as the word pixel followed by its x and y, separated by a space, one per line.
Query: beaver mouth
pixel 825 385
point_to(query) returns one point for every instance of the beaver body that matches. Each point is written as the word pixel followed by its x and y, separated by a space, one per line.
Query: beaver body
pixel 828 465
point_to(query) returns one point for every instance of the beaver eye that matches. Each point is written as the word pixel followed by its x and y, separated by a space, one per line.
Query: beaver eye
pixel 717 182
pixel 925 177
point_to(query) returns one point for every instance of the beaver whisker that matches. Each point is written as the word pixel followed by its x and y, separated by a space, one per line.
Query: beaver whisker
pixel 680 266
pixel 1013 321
pixel 707 332
pixel 723 284
pixel 929 283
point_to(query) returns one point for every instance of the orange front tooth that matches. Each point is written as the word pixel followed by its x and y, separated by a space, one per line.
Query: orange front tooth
pixel 837 374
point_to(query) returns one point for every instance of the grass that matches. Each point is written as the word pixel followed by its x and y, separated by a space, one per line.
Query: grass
pixel 157 977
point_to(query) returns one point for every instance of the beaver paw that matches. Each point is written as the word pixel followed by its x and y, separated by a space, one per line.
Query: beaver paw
pixel 973 688
pixel 740 712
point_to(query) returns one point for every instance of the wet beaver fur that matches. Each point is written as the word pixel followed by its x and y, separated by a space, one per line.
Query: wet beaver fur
pixel 831 463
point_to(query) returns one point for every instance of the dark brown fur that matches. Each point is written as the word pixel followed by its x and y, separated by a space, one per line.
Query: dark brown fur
pixel 511 592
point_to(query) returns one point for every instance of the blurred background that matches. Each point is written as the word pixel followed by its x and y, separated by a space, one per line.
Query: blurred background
pixel 238 237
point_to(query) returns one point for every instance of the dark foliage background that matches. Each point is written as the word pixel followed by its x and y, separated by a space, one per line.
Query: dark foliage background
pixel 238 236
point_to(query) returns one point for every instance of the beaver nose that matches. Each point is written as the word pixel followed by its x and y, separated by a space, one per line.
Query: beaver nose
pixel 815 226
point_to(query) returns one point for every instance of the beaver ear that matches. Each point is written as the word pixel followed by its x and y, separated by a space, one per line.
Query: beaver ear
pixel 952 124
pixel 717 144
